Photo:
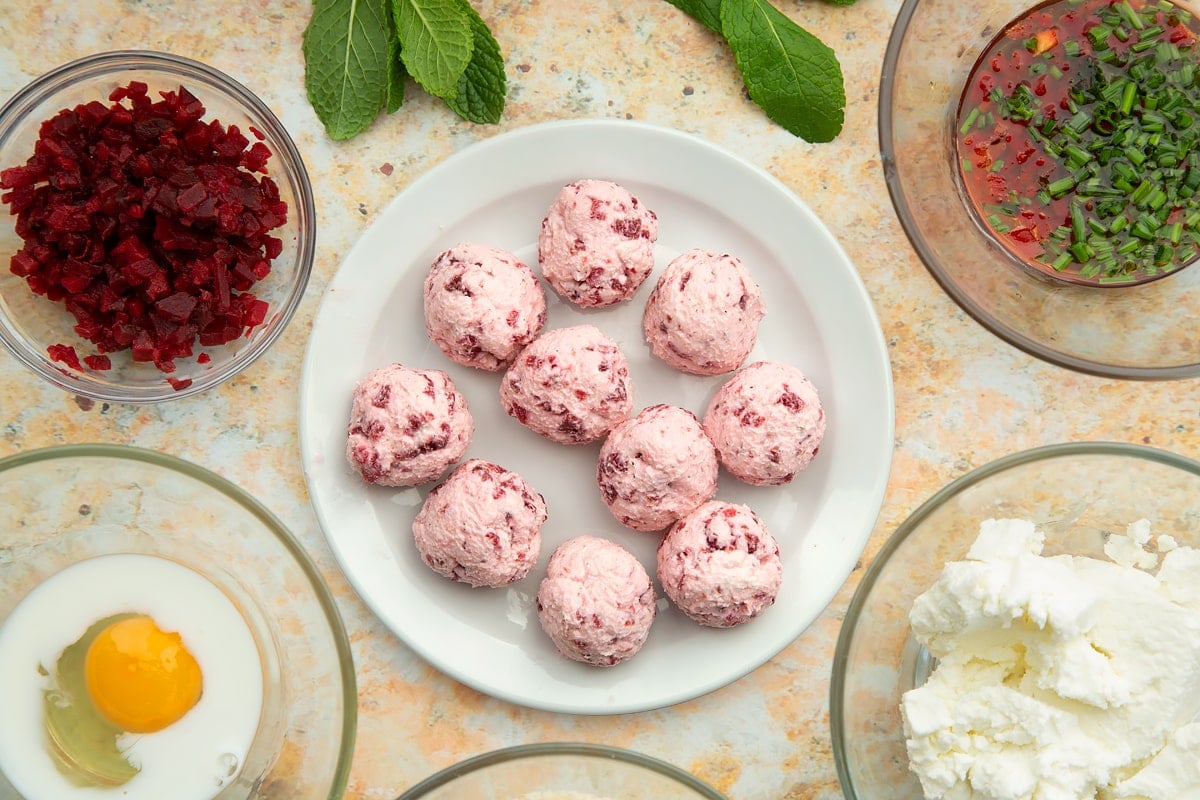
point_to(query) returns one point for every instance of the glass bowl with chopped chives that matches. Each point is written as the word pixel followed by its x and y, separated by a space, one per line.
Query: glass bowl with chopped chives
pixel 1044 163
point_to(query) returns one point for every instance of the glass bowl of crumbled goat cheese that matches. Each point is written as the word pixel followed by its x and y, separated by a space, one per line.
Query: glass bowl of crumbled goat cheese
pixel 1031 632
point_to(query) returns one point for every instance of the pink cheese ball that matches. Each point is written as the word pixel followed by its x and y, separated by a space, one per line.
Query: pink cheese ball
pixel 482 305
pixel 766 422
pixel 407 426
pixel 596 245
pixel 656 467
pixel 596 602
pixel 481 526
pixel 703 314
pixel 720 565
pixel 570 385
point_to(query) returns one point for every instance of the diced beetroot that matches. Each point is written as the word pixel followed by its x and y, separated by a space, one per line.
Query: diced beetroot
pixel 64 354
pixel 16 177
pixel 177 307
pixel 254 312
pixel 255 159
pixel 23 264
pixel 143 346
pixel 191 197
pixel 148 223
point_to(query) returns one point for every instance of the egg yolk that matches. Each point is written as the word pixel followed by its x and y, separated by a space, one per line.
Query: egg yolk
pixel 139 677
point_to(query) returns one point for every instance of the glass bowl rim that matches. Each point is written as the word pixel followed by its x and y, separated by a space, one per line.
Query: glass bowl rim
pixel 44 86
pixel 585 749
pixel 900 204
pixel 971 478
pixel 274 525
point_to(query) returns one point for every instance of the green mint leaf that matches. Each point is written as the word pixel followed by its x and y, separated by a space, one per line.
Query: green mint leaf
pixel 346 48
pixel 435 43
pixel 482 87
pixel 708 12
pixel 397 75
pixel 790 73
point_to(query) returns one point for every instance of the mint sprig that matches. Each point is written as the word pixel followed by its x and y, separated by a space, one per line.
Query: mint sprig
pixel 358 54
pixel 793 76
pixel 481 87
pixel 346 56
pixel 435 43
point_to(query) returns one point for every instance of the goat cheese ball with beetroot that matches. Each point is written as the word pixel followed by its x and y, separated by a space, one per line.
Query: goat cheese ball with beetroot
pixel 766 423
pixel 596 602
pixel 596 245
pixel 703 314
pixel 570 385
pixel 720 565
pixel 482 305
pixel 407 426
pixel 656 467
pixel 481 526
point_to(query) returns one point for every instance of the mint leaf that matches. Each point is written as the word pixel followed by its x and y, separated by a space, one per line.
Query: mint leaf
pixel 790 73
pixel 346 49
pixel 396 73
pixel 481 89
pixel 708 12
pixel 435 43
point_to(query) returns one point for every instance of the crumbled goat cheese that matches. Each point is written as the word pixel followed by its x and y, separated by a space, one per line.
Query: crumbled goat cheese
pixel 1058 677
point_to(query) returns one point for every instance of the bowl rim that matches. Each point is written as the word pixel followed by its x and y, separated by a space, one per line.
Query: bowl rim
pixel 900 205
pixel 585 749
pixel 837 683
pixel 41 88
pixel 321 591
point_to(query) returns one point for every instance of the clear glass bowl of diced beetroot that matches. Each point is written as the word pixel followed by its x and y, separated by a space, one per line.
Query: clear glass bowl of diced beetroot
pixel 156 226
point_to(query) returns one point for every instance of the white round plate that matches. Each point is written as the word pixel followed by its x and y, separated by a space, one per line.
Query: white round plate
pixel 819 318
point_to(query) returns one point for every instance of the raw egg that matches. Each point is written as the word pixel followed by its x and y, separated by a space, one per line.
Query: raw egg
pixel 127 676
pixel 139 677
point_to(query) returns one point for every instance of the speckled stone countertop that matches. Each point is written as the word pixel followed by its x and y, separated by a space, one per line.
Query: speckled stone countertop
pixel 963 396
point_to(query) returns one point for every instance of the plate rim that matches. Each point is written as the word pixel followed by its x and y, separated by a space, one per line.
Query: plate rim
pixel 500 141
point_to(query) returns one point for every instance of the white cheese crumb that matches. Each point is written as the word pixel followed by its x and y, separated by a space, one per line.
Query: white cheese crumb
pixel 1058 676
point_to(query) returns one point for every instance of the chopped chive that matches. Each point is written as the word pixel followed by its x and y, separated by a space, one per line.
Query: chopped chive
pixel 970 120
pixel 1059 187
pixel 1099 34
pixel 1123 152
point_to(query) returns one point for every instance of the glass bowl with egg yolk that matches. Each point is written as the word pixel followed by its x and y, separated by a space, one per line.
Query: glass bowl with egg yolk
pixel 124 703
pixel 165 636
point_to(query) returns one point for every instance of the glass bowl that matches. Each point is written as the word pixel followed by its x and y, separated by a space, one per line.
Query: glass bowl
pixel 1147 331
pixel 1078 493
pixel 69 503
pixel 562 771
pixel 30 323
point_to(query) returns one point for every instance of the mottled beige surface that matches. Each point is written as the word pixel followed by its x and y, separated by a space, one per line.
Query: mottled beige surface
pixel 963 396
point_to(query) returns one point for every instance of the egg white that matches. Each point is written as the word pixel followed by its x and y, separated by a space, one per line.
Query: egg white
pixel 194 758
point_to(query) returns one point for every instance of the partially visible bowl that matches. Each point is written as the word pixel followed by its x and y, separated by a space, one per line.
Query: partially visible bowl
pixel 1077 493
pixel 65 504
pixel 562 771
pixel 1147 331
pixel 30 323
